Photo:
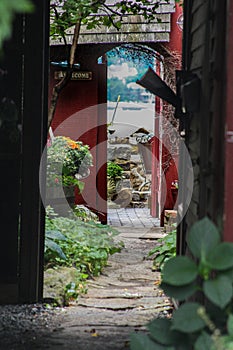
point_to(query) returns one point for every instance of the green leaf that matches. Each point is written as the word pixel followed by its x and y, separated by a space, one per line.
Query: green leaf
pixel 143 342
pixel 49 244
pixel 160 331
pixel 227 342
pixel 186 318
pixel 202 238
pixel 219 291
pixel 56 235
pixel 118 24
pixel 221 257
pixel 203 342
pixel 179 271
pixel 179 293
pixel 227 273
pixel 230 324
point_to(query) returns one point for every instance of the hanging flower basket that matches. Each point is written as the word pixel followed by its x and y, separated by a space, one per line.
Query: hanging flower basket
pixel 68 162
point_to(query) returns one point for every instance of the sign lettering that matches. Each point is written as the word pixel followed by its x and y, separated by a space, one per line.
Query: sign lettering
pixel 80 75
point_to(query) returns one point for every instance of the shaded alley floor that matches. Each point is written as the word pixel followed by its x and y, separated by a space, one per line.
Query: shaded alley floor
pixel 120 301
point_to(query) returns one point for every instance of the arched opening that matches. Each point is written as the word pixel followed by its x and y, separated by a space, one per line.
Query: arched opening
pixel 131 123
pixel 141 133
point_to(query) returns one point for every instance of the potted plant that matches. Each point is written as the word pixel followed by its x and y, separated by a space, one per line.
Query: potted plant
pixel 68 161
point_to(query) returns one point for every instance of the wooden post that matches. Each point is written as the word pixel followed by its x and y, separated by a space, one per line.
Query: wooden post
pixel 228 191
pixel 10 139
pixel 35 109
pixel 156 145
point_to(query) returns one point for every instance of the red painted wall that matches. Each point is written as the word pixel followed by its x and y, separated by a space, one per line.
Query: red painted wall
pixel 167 196
pixel 175 42
pixel 80 116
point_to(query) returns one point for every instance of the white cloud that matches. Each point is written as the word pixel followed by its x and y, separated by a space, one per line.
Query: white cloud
pixel 135 86
pixel 121 71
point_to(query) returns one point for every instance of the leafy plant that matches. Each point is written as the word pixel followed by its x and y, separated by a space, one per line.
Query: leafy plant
pixel 73 290
pixel 165 249
pixel 66 161
pixel 206 323
pixel 51 245
pixel 80 244
pixel 114 170
pixel 85 214
pixel 83 245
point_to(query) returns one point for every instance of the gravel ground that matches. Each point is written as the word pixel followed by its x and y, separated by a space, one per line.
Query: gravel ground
pixel 26 327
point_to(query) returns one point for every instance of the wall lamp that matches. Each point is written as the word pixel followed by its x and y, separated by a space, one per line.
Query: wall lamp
pixel 65 64
pixel 187 99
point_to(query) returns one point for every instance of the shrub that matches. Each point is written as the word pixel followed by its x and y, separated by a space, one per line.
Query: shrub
pixel 164 250
pixel 207 322
pixel 83 245
pixel 114 171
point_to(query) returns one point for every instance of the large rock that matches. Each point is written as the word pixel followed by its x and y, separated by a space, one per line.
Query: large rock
pixel 123 152
pixel 123 197
pixel 55 282
pixel 124 164
pixel 111 153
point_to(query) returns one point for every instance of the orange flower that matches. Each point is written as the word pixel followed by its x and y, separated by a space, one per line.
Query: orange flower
pixel 73 144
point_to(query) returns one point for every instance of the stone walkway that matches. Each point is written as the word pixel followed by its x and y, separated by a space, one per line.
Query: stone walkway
pixel 121 301
pixel 132 217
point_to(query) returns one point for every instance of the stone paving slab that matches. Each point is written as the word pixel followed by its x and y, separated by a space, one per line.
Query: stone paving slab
pixel 111 292
pixel 145 303
pixel 151 233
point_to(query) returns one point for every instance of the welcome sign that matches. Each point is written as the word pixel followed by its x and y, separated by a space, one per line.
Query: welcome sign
pixel 77 75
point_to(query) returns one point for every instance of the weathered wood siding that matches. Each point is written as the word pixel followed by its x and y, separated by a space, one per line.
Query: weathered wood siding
pixel 204 52
pixel 134 28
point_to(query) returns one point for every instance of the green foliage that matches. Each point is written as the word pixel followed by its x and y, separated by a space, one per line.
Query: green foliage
pixel 65 14
pixel 85 214
pixel 179 271
pixel 8 10
pixel 73 289
pixel 164 250
pixel 114 170
pixel 210 273
pixel 83 245
pixel 52 247
pixel 186 318
pixel 66 159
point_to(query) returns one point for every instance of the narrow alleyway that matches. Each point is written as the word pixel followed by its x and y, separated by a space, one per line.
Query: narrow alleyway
pixel 122 300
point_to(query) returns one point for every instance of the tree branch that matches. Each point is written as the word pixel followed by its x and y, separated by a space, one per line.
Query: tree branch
pixel 63 82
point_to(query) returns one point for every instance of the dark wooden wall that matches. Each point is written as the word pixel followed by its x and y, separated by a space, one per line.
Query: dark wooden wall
pixel 24 135
pixel 204 55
